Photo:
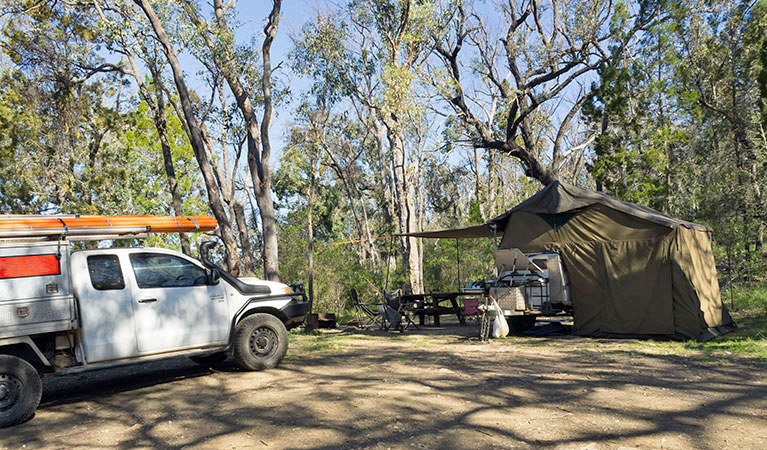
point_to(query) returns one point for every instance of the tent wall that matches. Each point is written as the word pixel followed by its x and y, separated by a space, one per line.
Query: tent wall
pixel 584 265
pixel 621 287
pixel 632 270
pixel 697 299
pixel 618 265
pixel 638 275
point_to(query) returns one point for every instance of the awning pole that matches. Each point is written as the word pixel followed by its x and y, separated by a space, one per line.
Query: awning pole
pixel 458 258
pixel 495 245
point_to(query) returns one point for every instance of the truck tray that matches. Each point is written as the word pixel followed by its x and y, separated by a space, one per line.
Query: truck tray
pixel 26 317
pixel 35 290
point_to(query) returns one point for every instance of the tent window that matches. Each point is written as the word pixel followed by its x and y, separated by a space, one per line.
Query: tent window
pixel 557 221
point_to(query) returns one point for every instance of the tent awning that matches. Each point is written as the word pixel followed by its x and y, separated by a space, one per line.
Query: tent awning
pixel 472 232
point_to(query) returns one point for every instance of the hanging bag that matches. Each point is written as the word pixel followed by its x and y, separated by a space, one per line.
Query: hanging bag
pixel 500 326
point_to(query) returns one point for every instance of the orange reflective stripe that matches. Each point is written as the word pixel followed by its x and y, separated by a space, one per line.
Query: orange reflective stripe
pixel 29 266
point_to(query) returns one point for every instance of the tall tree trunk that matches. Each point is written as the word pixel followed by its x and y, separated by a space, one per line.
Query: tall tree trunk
pixel 384 171
pixel 403 205
pixel 257 137
pixel 350 189
pixel 375 256
pixel 478 182
pixel 167 157
pixel 170 170
pixel 310 249
pixel 195 136
pixel 247 261
pixel 259 145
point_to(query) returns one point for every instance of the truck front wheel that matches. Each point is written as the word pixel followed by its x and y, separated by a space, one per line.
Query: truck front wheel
pixel 260 342
pixel 20 390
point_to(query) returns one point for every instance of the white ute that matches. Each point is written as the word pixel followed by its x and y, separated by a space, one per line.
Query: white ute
pixel 64 311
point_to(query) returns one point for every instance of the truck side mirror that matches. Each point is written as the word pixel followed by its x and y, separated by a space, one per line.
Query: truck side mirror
pixel 213 276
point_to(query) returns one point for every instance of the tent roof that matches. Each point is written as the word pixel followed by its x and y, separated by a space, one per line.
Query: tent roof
pixel 559 197
pixel 471 232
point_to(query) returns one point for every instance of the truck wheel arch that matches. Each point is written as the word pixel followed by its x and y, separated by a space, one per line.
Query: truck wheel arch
pixel 25 348
pixel 264 309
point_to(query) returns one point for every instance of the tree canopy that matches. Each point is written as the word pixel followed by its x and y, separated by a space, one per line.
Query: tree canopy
pixel 368 119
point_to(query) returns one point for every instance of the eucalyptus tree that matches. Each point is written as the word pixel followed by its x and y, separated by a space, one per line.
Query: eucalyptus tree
pixel 218 37
pixel 69 117
pixel 372 52
pixel 519 87
pixel 194 128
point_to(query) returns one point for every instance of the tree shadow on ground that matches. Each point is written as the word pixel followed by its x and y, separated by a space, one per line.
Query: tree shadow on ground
pixel 399 395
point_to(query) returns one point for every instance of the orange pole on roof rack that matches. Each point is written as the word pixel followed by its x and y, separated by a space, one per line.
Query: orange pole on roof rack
pixel 85 225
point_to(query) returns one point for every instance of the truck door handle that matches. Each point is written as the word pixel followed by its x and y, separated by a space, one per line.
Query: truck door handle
pixel 147 300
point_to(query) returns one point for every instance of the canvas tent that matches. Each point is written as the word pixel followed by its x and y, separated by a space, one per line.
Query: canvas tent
pixel 632 270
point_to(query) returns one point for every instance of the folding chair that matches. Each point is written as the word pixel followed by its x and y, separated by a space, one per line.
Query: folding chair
pixel 394 300
pixel 392 318
pixel 367 314
pixel 471 308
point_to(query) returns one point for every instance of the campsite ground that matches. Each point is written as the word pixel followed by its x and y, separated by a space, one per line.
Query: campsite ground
pixel 434 388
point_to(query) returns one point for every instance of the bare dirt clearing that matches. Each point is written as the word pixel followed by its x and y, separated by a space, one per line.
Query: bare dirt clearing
pixel 423 389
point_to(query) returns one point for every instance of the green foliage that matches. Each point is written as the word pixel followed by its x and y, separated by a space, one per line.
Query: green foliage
pixel 74 139
pixel 445 260
pixel 337 268
pixel 18 124
pixel 762 79
pixel 678 126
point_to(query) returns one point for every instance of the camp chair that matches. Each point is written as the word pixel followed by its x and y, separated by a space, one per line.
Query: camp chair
pixel 394 300
pixel 470 308
pixel 391 317
pixel 366 314
pixel 391 298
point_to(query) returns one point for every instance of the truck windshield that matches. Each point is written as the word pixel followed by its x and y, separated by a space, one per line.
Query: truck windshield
pixel 155 270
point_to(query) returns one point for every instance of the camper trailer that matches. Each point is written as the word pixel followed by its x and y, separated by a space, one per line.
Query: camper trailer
pixel 64 311
pixel 529 285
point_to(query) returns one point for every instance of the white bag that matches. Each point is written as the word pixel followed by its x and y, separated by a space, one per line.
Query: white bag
pixel 496 327
pixel 500 326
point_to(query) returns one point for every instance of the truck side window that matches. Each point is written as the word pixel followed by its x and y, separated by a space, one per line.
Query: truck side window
pixel 155 270
pixel 105 272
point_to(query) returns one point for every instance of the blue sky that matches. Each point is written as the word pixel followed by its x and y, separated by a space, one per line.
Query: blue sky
pixel 252 14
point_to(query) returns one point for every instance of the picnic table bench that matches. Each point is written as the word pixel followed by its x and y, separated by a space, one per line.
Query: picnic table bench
pixel 430 304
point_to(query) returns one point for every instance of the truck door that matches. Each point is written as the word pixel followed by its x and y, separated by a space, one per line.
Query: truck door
pixel 104 300
pixel 173 306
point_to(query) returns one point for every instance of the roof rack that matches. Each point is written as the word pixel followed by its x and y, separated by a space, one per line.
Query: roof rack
pixel 93 227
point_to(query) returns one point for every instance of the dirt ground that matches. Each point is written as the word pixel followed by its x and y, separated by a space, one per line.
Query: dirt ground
pixel 424 389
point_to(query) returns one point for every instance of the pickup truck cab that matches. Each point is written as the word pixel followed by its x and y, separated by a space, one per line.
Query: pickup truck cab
pixel 64 311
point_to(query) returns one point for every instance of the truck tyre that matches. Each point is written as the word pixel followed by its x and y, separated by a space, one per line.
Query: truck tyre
pixel 20 390
pixel 213 359
pixel 260 342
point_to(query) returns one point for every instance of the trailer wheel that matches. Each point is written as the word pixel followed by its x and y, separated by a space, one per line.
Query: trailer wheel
pixel 260 342
pixel 20 390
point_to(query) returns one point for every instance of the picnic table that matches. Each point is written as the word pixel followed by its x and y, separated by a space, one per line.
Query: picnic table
pixel 430 304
